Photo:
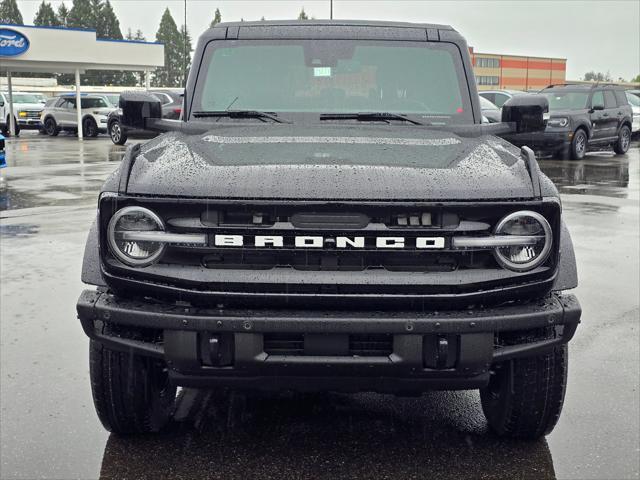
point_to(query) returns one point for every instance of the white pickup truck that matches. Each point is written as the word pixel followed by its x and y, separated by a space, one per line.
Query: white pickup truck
pixel 27 109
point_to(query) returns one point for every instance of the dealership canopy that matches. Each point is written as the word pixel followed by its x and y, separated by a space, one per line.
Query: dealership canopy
pixel 66 50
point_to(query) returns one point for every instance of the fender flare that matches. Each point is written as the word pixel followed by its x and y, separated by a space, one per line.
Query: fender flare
pixel 91 272
pixel 567 277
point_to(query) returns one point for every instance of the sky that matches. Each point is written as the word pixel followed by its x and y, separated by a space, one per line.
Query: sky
pixel 594 35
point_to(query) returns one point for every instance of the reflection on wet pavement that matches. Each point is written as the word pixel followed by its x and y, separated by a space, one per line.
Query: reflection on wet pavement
pixel 599 174
pixel 43 172
pixel 49 428
pixel 229 435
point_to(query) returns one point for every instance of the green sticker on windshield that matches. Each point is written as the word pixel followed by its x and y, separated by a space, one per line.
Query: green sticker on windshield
pixel 321 71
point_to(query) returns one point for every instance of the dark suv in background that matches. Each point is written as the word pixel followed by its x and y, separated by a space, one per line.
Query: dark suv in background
pixel 171 102
pixel 582 117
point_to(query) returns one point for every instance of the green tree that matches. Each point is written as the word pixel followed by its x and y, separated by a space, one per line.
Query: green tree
pixel 46 16
pixel 171 74
pixel 82 15
pixel 303 15
pixel 10 13
pixel 63 15
pixel 108 26
pixel 217 18
pixel 636 79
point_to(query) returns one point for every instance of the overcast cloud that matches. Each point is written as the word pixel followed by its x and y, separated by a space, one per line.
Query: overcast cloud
pixel 591 35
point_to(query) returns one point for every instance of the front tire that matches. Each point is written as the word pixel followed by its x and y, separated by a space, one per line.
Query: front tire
pixel 131 393
pixel 89 128
pixel 6 130
pixel 118 136
pixel 51 127
pixel 524 397
pixel 624 140
pixel 578 147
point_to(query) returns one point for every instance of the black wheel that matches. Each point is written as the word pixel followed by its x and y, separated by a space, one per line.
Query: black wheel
pixel 131 393
pixel 118 136
pixel 524 397
pixel 51 127
pixel 578 145
pixel 6 130
pixel 624 140
pixel 89 128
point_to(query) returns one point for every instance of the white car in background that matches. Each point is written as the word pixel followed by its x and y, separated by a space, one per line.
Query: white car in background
pixel 634 101
pixel 499 97
pixel 26 111
pixel 61 114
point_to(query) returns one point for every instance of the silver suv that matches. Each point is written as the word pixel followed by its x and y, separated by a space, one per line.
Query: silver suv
pixel 61 114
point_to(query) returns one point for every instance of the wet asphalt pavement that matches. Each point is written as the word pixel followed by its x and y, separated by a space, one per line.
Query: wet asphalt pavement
pixel 49 429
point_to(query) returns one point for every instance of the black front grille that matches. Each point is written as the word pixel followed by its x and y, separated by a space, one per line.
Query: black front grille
pixel 372 345
pixel 33 113
pixel 288 273
pixel 284 344
pixel 360 345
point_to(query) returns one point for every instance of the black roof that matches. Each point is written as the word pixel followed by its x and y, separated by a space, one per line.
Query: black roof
pixel 332 30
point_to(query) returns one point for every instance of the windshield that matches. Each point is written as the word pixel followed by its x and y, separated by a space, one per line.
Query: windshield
pixel 335 76
pixel 25 98
pixel 563 100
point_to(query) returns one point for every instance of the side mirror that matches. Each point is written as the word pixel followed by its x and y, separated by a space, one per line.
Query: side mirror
pixel 137 107
pixel 597 107
pixel 527 112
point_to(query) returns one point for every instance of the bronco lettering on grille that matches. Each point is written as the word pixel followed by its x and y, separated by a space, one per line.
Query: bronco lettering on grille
pixel 317 241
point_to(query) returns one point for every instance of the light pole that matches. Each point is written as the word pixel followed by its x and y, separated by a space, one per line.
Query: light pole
pixel 331 9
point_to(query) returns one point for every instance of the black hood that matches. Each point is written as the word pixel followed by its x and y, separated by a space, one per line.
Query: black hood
pixel 337 162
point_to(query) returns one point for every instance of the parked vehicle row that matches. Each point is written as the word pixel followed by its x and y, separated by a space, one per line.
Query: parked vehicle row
pixel 51 116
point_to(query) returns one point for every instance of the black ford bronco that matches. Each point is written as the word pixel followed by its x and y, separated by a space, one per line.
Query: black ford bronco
pixel 330 214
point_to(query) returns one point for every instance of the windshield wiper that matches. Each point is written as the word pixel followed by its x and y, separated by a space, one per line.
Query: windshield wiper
pixel 364 116
pixel 240 114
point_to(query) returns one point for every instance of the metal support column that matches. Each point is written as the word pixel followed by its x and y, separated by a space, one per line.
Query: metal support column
pixel 12 117
pixel 147 79
pixel 78 104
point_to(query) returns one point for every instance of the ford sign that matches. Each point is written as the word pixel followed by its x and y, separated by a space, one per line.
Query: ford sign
pixel 12 43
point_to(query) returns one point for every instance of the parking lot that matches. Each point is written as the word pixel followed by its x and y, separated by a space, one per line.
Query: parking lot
pixel 49 427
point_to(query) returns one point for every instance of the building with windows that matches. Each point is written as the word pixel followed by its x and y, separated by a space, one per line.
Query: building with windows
pixel 497 71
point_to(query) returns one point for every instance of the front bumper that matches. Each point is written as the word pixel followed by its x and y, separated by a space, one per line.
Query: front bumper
pixel 29 123
pixel 543 141
pixel 430 350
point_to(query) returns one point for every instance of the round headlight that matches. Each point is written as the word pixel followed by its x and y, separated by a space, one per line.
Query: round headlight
pixel 123 225
pixel 532 245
